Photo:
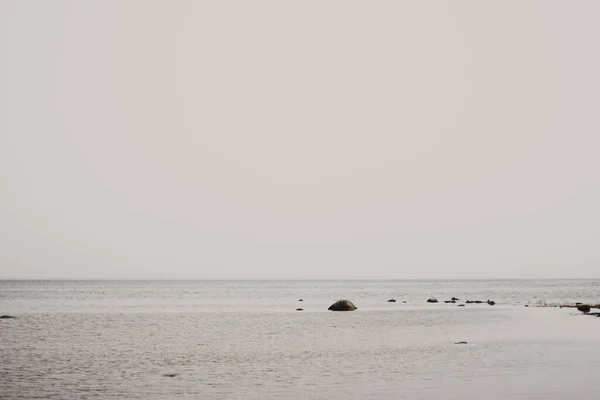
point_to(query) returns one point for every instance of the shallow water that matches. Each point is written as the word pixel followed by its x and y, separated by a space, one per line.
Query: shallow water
pixel 243 340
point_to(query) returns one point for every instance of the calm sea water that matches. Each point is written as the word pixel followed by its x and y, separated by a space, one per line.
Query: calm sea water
pixel 244 340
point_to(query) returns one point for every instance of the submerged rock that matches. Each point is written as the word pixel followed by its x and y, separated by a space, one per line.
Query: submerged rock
pixel 299 309
pixel 449 301
pixel 391 300
pixel 432 300
pixel 455 298
pixel 460 343
pixel 301 300
pixel 342 305
pixel 7 317
pixel 461 305
pixel 170 375
pixel 491 302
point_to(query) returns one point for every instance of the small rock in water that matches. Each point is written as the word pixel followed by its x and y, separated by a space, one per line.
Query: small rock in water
pixel 460 343
pixel 301 300
pixel 432 300
pixel 584 309
pixel 491 303
pixel 455 298
pixel 7 317
pixel 391 300
pixel 170 375
pixel 461 305
pixel 449 301
pixel 299 309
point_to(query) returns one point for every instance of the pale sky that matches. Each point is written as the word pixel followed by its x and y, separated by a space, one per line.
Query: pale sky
pixel 307 139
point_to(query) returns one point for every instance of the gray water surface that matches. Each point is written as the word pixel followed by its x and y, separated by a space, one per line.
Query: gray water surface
pixel 244 340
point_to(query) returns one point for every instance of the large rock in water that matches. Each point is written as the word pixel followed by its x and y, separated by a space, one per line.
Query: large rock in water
pixel 342 305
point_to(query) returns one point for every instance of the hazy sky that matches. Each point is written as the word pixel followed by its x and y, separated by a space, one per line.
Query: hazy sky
pixel 307 139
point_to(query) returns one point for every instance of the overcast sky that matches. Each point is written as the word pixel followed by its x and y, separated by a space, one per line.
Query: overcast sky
pixel 307 139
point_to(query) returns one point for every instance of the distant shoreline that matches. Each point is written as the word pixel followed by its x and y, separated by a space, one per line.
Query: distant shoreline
pixel 292 279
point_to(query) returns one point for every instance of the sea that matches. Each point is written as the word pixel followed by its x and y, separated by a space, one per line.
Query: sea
pixel 246 340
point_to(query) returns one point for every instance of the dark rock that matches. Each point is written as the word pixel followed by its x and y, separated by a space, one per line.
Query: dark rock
pixel 301 300
pixel 491 303
pixel 342 305
pixel 449 301
pixel 7 317
pixel 578 304
pixel 584 309
pixel 432 300
pixel 526 305
pixel 299 309
pixel 460 343
pixel 170 375
pixel 474 301
pixel 404 301
pixel 391 300
pixel 461 305
pixel 455 298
